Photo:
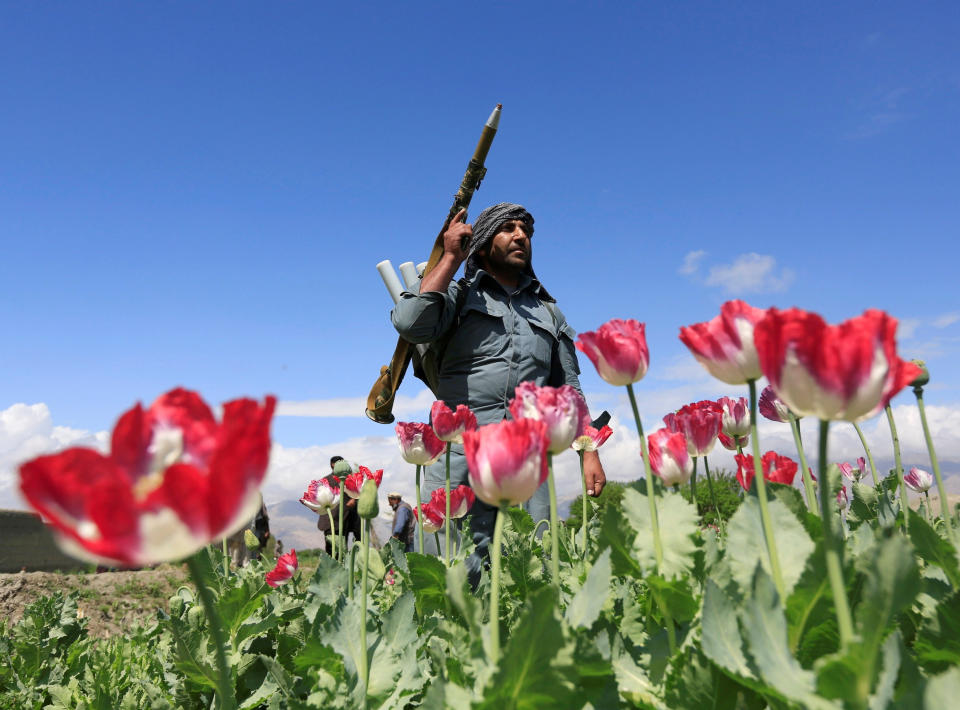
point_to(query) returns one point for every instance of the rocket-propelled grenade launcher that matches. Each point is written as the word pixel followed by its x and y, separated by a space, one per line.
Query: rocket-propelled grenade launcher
pixel 476 168
pixel 380 400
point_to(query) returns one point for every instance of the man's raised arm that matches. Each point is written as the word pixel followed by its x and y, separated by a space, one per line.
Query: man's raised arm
pixel 456 240
pixel 423 317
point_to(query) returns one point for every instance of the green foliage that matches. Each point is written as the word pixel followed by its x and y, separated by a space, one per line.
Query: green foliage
pixel 611 495
pixel 704 629
pixel 727 489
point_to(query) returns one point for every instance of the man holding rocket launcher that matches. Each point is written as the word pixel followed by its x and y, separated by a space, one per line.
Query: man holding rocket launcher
pixel 487 332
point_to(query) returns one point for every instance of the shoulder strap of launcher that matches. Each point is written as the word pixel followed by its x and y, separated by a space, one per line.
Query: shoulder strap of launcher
pixel 380 400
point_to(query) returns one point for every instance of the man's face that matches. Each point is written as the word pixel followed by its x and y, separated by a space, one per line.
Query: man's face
pixel 393 502
pixel 510 247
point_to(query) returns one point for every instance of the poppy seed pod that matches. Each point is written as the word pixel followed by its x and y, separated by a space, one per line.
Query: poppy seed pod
pixel 924 377
pixel 368 505
pixel 342 469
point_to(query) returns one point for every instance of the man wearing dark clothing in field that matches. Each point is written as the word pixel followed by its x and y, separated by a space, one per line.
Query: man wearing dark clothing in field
pixel 351 521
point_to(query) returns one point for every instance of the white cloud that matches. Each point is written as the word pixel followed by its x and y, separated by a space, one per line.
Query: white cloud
pixel 907 327
pixel 691 262
pixel 352 406
pixel 27 431
pixel 947 319
pixel 682 367
pixel 750 273
pixel 880 112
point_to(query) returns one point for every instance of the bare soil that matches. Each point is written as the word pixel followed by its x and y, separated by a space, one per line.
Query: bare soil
pixel 113 602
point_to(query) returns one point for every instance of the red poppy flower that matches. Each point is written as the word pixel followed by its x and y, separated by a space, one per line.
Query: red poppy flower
pixel 724 345
pixel 354 482
pixel 776 469
pixel 430 516
pixel 449 425
pixel 284 571
pixel 507 460
pixel 618 349
pixel 592 438
pixel 419 444
pixel 175 480
pixel 700 423
pixel 848 371
pixel 669 457
pixel 561 409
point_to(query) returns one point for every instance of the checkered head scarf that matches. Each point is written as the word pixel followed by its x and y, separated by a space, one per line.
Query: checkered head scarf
pixel 487 224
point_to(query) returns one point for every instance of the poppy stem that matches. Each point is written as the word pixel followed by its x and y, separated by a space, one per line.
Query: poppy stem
pixel 351 578
pixel 228 700
pixel 334 544
pixel 554 527
pixel 226 558
pixel 693 485
pixel 866 448
pixel 644 453
pixel 545 523
pixel 364 673
pixel 831 548
pixel 804 467
pixel 419 513
pixel 583 520
pixel 654 519
pixel 713 496
pixel 898 467
pixel 446 518
pixel 944 503
pixel 762 497
pixel 495 553
pixel 341 541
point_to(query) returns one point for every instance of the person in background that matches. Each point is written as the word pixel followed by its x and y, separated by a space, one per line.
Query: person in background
pixel 403 521
pixel 351 520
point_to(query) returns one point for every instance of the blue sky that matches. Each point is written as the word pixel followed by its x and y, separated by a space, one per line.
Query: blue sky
pixel 197 194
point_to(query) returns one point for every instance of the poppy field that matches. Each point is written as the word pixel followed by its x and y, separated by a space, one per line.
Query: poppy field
pixel 824 589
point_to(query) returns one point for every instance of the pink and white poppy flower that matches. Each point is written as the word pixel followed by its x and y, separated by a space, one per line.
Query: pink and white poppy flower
pixel 430 517
pixel 724 345
pixel 461 499
pixel 561 409
pixel 419 444
pixel 592 438
pixel 699 422
pixel 450 425
pixel 669 456
pixel 736 416
pixel 507 460
pixel 842 372
pixel 321 495
pixel 918 480
pixel 618 349
pixel 772 407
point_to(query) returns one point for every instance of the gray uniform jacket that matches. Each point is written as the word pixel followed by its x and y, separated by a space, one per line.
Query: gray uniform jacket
pixel 500 338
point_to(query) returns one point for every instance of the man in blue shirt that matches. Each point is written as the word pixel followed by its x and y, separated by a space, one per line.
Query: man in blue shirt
pixel 403 521
pixel 503 329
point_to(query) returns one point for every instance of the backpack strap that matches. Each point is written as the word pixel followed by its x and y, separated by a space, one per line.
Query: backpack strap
pixel 426 367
